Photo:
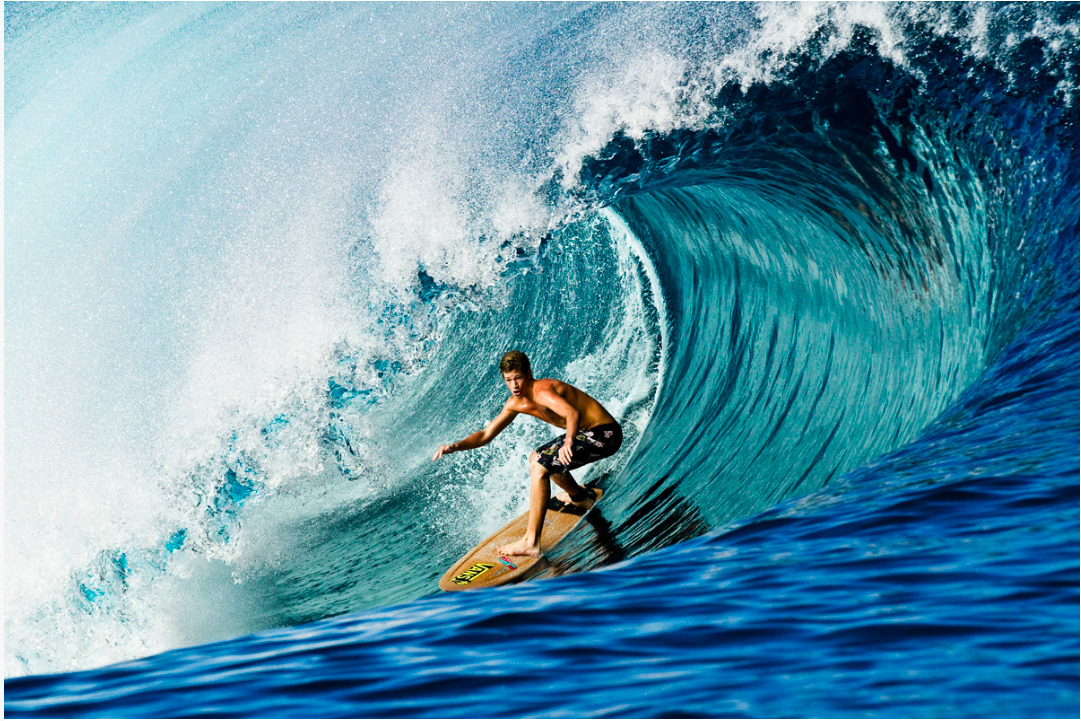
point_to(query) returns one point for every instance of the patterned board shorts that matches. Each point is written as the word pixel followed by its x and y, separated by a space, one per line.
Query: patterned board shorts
pixel 588 446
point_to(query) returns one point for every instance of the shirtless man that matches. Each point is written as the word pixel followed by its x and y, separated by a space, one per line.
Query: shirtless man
pixel 592 434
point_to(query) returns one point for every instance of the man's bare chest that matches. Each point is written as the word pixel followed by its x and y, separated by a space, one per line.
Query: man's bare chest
pixel 538 411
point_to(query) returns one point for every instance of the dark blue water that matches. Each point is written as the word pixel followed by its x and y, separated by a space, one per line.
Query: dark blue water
pixel 821 260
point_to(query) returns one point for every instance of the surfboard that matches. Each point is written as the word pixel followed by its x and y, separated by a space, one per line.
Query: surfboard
pixel 483 567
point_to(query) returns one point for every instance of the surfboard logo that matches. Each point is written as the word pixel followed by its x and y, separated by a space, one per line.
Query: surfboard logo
pixel 470 574
pixel 506 562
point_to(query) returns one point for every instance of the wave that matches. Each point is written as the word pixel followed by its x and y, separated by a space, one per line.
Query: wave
pixel 776 242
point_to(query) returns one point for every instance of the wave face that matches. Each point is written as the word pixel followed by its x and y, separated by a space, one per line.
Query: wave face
pixel 820 260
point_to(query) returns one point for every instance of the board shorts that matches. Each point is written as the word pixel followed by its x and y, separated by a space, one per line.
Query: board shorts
pixel 588 446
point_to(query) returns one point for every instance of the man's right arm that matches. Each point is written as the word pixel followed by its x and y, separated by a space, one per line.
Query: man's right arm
pixel 481 437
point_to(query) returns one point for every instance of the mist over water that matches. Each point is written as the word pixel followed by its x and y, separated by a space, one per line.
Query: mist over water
pixel 262 259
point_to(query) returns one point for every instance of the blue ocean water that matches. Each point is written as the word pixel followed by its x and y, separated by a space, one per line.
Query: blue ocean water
pixel 820 259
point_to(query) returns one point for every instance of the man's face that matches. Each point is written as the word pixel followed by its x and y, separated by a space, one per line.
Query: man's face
pixel 516 382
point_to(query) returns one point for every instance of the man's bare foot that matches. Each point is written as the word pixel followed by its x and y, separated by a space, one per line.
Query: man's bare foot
pixel 521 548
pixel 585 502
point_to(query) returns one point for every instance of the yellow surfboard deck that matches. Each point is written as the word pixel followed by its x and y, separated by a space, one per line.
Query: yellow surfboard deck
pixel 483 567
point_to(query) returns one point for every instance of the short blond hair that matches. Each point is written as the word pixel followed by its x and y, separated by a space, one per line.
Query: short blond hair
pixel 515 360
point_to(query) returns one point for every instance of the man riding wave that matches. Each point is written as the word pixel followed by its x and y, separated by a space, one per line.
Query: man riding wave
pixel 591 434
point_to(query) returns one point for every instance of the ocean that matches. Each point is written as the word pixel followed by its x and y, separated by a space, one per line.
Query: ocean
pixel 820 260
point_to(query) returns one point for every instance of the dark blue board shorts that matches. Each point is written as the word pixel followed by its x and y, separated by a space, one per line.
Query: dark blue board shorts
pixel 588 446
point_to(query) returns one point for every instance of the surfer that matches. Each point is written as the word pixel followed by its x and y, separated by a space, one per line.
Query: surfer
pixel 592 434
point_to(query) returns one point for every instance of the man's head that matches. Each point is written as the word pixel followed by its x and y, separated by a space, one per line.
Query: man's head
pixel 515 360
pixel 514 366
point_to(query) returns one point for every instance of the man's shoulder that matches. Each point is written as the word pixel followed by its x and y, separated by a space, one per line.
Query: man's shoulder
pixel 550 384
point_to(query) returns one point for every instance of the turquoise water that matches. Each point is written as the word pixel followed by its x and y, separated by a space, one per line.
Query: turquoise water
pixel 821 261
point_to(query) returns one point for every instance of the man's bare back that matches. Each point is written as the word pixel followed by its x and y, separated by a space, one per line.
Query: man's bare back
pixel 591 434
